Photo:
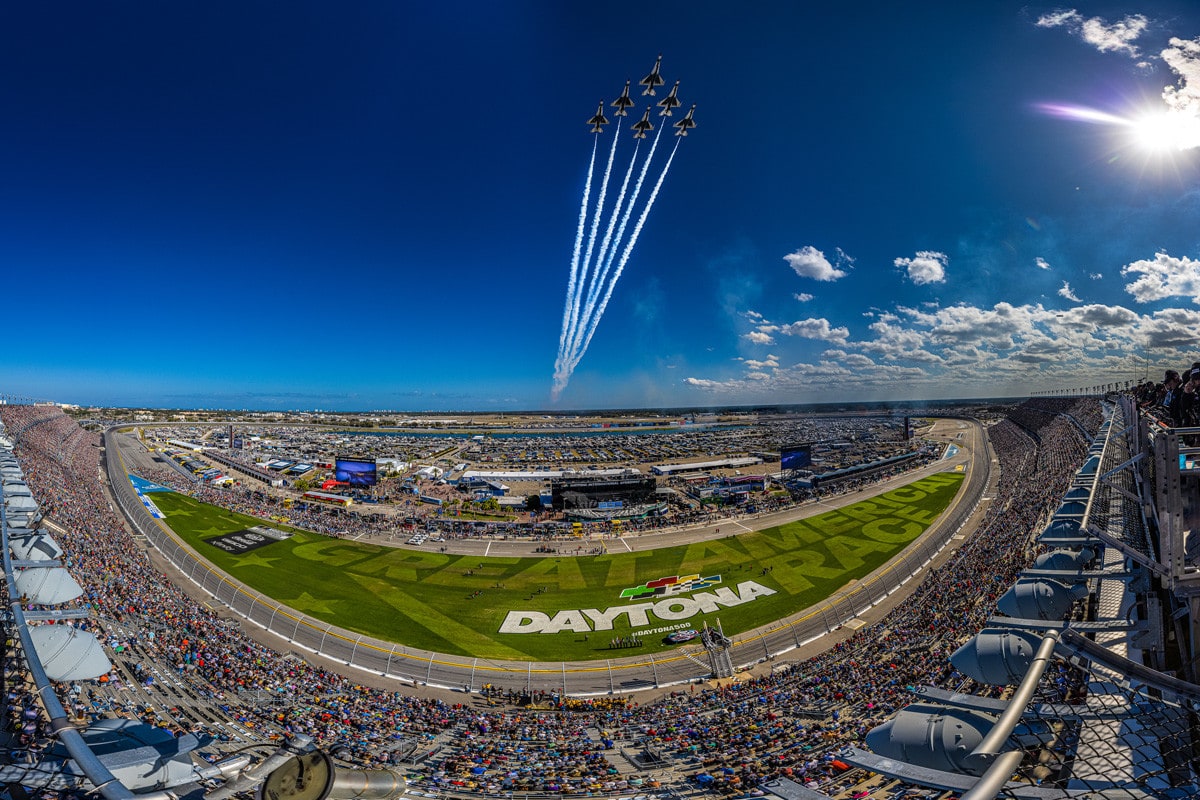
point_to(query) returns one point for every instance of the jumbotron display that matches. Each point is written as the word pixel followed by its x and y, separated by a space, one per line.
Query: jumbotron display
pixel 796 456
pixel 355 471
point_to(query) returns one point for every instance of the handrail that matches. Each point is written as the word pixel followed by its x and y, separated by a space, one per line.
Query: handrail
pixel 1003 764
pixel 91 766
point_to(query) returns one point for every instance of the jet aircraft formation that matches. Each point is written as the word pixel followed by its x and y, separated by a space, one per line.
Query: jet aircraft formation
pixel 596 270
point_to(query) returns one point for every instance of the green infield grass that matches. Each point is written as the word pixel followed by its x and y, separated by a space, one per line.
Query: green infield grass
pixel 566 608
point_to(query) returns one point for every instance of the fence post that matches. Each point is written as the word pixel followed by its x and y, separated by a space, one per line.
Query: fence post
pixel 321 646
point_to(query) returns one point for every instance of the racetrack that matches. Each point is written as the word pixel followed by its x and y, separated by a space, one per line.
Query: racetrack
pixel 609 675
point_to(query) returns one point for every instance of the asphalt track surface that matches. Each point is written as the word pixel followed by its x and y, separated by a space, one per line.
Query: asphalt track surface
pixel 797 636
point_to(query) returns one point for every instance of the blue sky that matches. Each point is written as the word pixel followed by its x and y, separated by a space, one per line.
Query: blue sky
pixel 374 205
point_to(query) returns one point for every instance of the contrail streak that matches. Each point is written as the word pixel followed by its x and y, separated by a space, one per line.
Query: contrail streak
pixel 612 222
pixel 637 229
pixel 587 190
pixel 569 330
pixel 598 286
pixel 598 263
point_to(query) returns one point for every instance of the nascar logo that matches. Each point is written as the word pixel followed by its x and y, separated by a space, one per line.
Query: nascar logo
pixel 672 585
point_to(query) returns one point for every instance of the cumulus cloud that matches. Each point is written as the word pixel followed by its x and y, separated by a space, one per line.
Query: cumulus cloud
pixel 759 337
pixel 1183 99
pixel 995 327
pixel 927 266
pixel 818 328
pixel 1066 292
pixel 809 262
pixel 711 385
pixel 771 362
pixel 1163 276
pixel 958 350
pixel 1042 263
pixel 1099 315
pixel 1096 276
pixel 803 297
pixel 1116 37
pixel 1170 329
pixel 852 360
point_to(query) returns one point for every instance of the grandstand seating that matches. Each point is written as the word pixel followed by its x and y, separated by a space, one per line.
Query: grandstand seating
pixel 186 668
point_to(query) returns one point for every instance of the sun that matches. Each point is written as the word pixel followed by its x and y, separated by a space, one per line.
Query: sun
pixel 1165 131
pixel 1158 133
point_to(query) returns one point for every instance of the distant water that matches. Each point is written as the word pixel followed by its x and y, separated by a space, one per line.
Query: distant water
pixel 897 408
pixel 640 431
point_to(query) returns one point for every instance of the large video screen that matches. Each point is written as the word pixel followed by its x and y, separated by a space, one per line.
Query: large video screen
pixel 797 456
pixel 355 471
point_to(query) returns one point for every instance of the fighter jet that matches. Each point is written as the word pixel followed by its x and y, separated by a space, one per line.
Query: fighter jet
pixel 643 126
pixel 622 103
pixel 598 122
pixel 669 102
pixel 653 79
pixel 687 123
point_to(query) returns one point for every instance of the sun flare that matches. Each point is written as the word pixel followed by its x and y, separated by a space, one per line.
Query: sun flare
pixel 1166 131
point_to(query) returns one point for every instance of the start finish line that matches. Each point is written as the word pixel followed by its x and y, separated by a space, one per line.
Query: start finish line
pixel 670 609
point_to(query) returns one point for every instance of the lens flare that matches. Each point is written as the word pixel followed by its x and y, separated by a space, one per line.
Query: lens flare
pixel 1168 130
pixel 1082 114
pixel 1160 132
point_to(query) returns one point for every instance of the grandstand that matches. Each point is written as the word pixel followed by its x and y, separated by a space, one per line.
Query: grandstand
pixel 1053 654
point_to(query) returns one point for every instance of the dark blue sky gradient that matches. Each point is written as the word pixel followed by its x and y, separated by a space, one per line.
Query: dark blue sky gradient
pixel 372 205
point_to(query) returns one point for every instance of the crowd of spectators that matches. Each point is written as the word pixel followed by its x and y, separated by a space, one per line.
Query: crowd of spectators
pixel 1175 400
pixel 788 723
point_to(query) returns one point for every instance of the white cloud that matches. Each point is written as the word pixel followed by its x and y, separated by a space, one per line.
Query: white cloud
pixel 995 328
pixel 852 360
pixel 803 297
pixel 758 337
pixel 1096 276
pixel 961 350
pixel 1164 276
pixel 1172 328
pixel 809 262
pixel 771 362
pixel 927 266
pixel 711 385
pixel 1095 314
pixel 1183 99
pixel 818 328
pixel 1066 292
pixel 1058 17
pixel 1105 36
pixel 1042 263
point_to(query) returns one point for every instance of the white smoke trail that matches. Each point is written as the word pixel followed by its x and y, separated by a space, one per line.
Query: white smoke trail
pixel 599 286
pixel 603 257
pixel 569 330
pixel 637 229
pixel 587 190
